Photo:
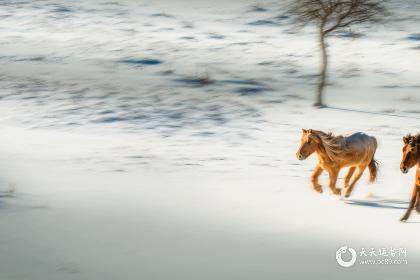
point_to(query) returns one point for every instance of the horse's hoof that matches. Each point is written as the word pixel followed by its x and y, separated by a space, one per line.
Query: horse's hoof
pixel 337 191
pixel 403 220
pixel 347 195
pixel 318 188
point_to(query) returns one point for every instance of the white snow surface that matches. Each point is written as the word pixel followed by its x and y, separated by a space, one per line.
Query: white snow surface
pixel 117 162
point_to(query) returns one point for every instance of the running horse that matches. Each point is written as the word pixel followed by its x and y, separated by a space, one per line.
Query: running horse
pixel 411 158
pixel 355 151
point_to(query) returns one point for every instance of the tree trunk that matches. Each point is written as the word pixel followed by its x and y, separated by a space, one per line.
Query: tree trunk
pixel 323 71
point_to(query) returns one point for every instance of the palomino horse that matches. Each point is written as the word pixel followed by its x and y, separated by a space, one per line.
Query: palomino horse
pixel 355 151
pixel 411 158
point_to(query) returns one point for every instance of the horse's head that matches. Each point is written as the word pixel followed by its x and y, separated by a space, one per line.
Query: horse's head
pixel 410 152
pixel 308 144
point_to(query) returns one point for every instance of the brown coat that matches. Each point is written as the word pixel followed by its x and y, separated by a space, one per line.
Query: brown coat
pixel 355 151
pixel 410 159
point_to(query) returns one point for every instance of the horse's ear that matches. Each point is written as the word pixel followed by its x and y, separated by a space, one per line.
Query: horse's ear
pixel 304 130
pixel 406 139
pixel 310 131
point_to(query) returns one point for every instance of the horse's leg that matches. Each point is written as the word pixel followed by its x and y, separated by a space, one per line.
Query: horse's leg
pixel 356 177
pixel 414 195
pixel 417 204
pixel 348 176
pixel 333 181
pixel 317 187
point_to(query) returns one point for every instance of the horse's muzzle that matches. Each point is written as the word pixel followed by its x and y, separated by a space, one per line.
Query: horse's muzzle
pixel 404 170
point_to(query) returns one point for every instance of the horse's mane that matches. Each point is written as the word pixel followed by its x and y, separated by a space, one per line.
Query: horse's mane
pixel 334 145
pixel 414 138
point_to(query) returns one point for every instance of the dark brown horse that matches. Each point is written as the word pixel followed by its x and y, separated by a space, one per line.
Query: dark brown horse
pixel 355 151
pixel 411 158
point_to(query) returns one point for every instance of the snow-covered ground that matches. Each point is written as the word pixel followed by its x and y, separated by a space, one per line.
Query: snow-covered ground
pixel 157 140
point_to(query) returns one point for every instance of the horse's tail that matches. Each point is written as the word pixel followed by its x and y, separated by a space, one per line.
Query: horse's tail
pixel 373 170
pixel 374 164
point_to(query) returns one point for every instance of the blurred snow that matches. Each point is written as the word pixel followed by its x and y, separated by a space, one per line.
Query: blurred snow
pixel 156 139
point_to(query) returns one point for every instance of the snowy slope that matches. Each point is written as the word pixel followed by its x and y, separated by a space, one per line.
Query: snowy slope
pixel 157 139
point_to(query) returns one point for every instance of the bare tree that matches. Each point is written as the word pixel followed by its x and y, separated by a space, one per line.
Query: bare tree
pixel 331 16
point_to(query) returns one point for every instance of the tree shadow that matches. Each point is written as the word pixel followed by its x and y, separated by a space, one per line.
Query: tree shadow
pixel 4 196
pixel 7 195
pixel 384 203
pixel 370 112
